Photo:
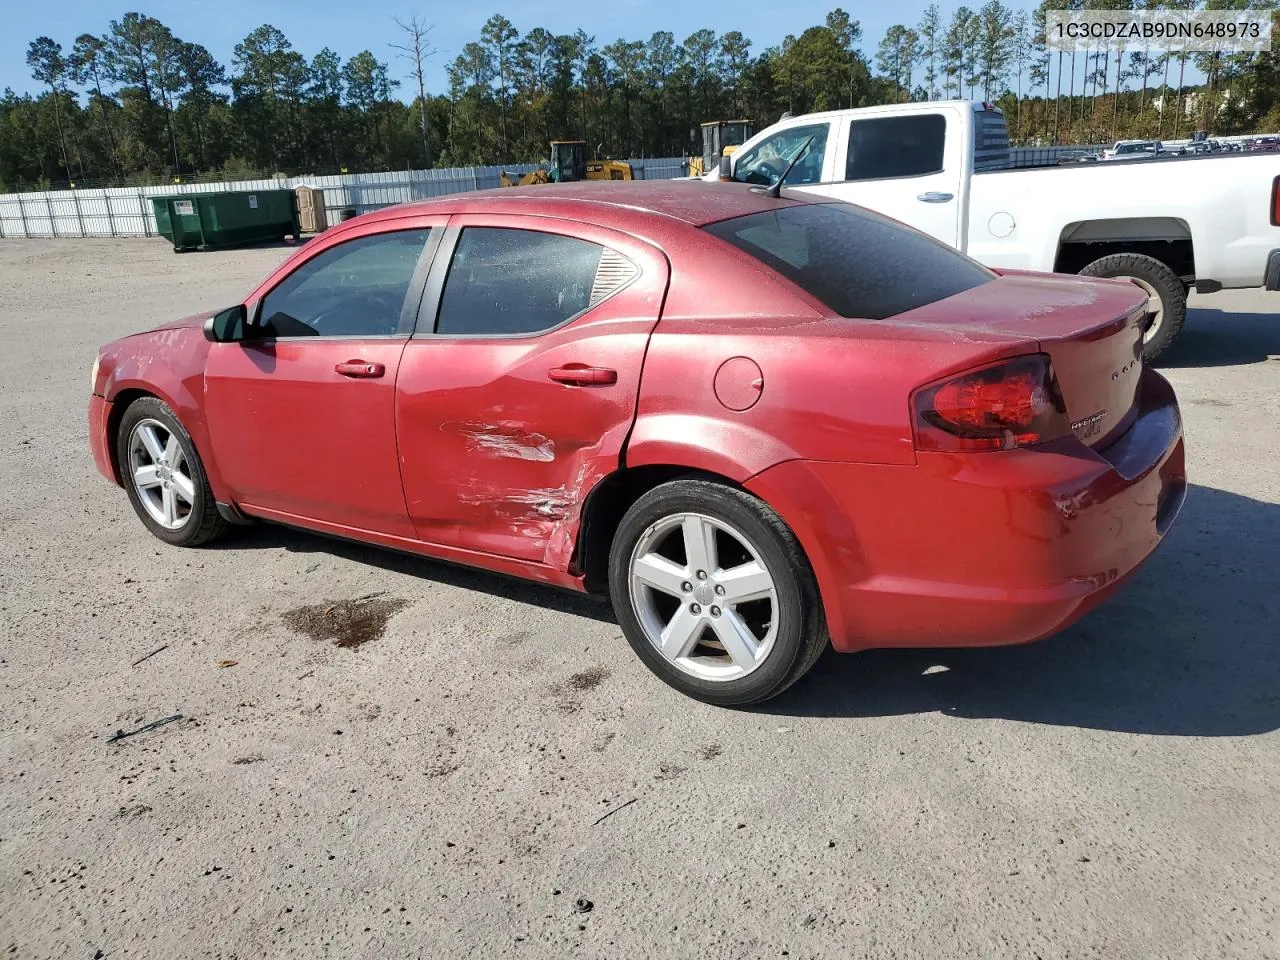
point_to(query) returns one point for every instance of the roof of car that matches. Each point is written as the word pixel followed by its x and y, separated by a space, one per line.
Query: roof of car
pixel 695 202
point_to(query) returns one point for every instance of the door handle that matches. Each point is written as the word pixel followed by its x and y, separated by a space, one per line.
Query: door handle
pixel 581 375
pixel 935 196
pixel 361 369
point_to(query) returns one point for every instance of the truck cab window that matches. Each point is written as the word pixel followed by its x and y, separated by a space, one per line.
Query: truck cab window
pixel 886 147
pixel 764 163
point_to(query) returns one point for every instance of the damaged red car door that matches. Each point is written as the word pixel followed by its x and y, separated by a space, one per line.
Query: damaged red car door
pixel 301 411
pixel 518 389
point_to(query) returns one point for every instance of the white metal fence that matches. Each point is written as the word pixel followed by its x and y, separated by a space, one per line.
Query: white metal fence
pixel 127 211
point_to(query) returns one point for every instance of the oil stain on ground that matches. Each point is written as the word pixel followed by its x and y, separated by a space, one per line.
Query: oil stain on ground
pixel 589 679
pixel 348 623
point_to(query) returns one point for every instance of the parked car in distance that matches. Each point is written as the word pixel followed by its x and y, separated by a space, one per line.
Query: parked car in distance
pixel 1169 224
pixel 1264 144
pixel 1133 150
pixel 760 424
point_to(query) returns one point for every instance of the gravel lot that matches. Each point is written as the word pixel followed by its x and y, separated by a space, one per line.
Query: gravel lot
pixel 438 791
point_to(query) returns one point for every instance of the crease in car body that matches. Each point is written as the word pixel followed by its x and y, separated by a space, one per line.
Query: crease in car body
pixel 504 438
pixel 550 503
pixel 562 538
pixel 547 515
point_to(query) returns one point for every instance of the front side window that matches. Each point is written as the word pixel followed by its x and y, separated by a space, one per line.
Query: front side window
pixel 858 263
pixel 353 289
pixel 763 164
pixel 505 282
pixel 886 147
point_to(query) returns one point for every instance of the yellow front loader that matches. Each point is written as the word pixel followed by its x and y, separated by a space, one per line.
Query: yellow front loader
pixel 532 177
pixel 719 139
pixel 569 164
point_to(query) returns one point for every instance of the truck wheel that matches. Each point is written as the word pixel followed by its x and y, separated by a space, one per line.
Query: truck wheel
pixel 1164 289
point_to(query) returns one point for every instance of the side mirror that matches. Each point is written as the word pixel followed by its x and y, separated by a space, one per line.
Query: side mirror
pixel 726 168
pixel 227 326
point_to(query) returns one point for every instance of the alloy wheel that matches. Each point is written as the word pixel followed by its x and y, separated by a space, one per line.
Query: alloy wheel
pixel 703 596
pixel 160 474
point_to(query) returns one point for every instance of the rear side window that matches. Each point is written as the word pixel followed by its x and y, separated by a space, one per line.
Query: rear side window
pixel 506 282
pixel 858 263
pixel 887 147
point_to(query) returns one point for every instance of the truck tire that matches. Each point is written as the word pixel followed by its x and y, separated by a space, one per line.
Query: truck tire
pixel 1161 284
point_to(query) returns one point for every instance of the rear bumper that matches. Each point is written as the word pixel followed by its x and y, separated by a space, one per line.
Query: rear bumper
pixel 984 549
pixel 99 439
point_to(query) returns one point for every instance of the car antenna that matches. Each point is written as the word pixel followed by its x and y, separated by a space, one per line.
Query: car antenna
pixel 775 189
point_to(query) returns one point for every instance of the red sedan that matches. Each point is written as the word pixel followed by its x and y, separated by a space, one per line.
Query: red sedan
pixel 762 425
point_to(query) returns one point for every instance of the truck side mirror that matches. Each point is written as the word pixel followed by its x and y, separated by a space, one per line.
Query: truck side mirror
pixel 726 168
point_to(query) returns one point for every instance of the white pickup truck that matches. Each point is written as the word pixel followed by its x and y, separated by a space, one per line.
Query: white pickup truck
pixel 1170 225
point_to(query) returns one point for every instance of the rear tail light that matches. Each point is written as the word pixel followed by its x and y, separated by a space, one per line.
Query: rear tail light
pixel 1014 403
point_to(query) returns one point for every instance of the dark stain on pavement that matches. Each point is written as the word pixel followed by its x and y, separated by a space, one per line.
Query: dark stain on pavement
pixel 587 679
pixel 348 623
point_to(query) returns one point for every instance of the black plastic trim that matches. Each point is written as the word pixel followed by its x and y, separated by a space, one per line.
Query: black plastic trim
pixel 231 513
pixel 1273 270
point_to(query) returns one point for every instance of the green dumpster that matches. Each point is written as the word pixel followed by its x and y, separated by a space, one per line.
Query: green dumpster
pixel 164 223
pixel 201 221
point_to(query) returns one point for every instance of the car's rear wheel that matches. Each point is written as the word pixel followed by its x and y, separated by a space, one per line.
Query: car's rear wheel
pixel 164 477
pixel 714 593
pixel 1166 296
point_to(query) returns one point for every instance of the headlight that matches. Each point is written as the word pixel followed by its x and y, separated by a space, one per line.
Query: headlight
pixel 93 375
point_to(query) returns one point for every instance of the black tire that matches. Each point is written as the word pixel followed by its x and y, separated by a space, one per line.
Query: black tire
pixel 801 634
pixel 1167 285
pixel 203 523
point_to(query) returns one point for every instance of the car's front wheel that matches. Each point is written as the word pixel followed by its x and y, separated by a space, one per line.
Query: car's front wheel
pixel 164 477
pixel 714 593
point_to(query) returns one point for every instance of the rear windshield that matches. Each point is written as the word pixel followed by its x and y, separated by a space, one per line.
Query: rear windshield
pixel 858 263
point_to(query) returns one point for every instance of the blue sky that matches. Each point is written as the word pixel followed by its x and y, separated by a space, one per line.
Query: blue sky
pixel 349 26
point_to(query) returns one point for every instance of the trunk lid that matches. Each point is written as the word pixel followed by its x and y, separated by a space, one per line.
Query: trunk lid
pixel 1090 329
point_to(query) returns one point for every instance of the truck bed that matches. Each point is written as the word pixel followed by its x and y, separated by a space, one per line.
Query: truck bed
pixel 1020 218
